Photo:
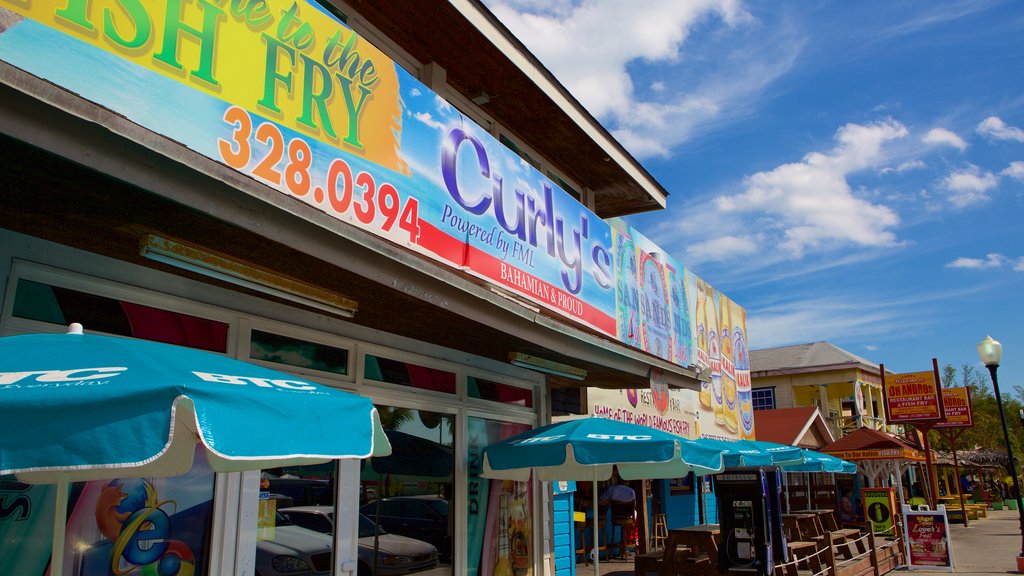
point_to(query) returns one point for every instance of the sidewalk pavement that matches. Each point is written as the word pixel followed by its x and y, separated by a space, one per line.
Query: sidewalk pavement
pixel 987 546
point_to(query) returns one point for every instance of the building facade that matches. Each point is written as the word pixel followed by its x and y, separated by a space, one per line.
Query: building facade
pixel 846 388
pixel 393 199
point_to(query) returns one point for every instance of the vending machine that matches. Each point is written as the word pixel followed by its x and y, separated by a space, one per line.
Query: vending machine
pixel 750 522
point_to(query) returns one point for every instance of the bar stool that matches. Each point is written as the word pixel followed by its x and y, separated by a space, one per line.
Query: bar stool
pixel 620 544
pixel 660 532
pixel 586 540
pixel 581 537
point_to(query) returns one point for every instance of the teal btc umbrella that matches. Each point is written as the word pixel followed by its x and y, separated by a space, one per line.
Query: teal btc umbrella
pixel 86 407
pixel 589 449
pixel 820 462
pixel 739 453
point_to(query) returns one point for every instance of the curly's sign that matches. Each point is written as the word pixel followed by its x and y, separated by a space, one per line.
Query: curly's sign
pixel 289 97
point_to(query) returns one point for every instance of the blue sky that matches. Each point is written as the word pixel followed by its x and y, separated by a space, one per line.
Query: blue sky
pixel 846 171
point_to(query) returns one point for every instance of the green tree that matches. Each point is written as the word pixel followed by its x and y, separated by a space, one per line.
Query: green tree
pixel 987 431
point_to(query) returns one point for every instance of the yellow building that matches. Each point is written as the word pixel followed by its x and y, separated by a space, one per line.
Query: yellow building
pixel 845 387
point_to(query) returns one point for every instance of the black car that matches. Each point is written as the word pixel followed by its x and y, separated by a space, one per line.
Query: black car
pixel 421 517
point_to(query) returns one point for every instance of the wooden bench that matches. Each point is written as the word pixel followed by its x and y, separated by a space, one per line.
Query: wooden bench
pixel 846 539
pixel 957 515
pixel 982 510
pixel 666 562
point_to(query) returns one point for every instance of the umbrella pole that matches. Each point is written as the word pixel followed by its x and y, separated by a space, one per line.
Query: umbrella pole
pixel 597 551
pixel 785 483
pixel 60 514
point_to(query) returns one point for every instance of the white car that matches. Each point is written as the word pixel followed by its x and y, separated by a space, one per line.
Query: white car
pixel 396 555
pixel 293 551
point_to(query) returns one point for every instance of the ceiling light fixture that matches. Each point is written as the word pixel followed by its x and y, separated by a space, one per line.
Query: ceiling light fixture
pixel 480 98
pixel 201 261
pixel 547 366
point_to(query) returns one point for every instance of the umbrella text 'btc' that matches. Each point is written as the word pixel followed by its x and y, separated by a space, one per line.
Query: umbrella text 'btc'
pixel 81 407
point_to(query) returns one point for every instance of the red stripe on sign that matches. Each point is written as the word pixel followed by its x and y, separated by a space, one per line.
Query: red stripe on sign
pixel 537 290
pixel 460 254
pixel 445 246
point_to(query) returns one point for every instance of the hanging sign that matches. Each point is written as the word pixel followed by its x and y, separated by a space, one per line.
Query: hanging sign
pixel 879 454
pixel 926 533
pixel 956 403
pixel 911 397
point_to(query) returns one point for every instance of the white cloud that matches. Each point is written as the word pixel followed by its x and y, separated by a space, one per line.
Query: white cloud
pixel 991 260
pixel 427 119
pixel 969 186
pixel 621 41
pixel 943 137
pixel 871 347
pixel 847 315
pixel 811 202
pixel 904 167
pixel 994 128
pixel 649 30
pixel 814 320
pixel 720 249
pixel 1015 170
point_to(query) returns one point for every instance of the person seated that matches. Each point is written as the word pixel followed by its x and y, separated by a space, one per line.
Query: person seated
pixel 846 510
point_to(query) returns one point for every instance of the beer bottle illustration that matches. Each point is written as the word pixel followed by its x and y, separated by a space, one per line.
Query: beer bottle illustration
pixel 703 359
pixel 503 567
pixel 729 405
pixel 743 385
pixel 715 356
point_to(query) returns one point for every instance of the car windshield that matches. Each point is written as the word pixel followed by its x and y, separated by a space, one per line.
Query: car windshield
pixel 366 527
pixel 439 506
pixel 282 520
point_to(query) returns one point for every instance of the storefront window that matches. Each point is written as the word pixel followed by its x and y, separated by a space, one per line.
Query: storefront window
pixel 57 305
pixel 409 493
pixel 391 371
pixel 499 512
pixel 295 524
pixel 498 392
pixel 117 526
pixel 279 349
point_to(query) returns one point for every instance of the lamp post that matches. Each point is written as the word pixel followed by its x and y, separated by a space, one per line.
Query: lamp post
pixel 991 352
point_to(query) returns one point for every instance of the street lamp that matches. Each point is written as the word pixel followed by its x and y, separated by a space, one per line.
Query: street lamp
pixel 991 352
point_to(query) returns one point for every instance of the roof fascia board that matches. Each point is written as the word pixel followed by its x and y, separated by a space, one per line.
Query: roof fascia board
pixel 517 54
pixel 816 416
pixel 805 370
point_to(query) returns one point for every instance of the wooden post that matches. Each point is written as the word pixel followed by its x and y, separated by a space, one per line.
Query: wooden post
pixel 830 554
pixel 643 528
pixel 933 482
pixel 873 552
pixel 956 471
